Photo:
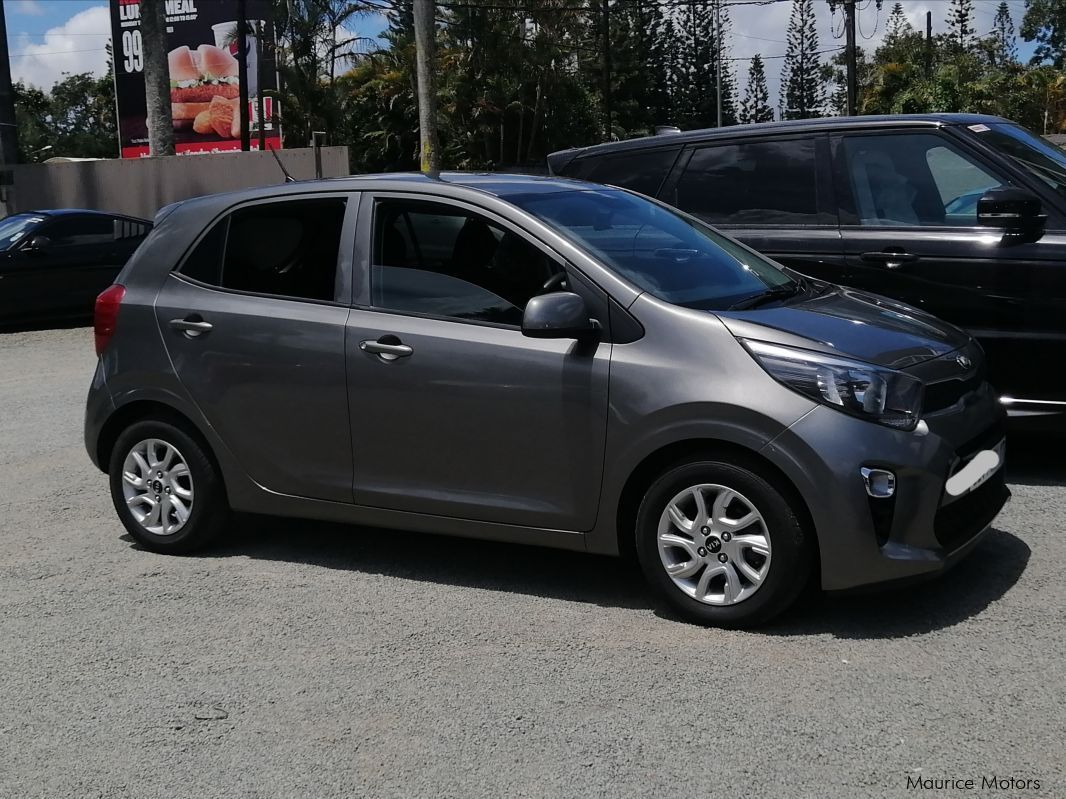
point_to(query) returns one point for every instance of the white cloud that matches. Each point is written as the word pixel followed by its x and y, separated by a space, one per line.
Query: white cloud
pixel 78 45
pixel 31 8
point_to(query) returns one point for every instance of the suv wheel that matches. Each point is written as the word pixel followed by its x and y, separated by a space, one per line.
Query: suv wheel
pixel 722 544
pixel 166 490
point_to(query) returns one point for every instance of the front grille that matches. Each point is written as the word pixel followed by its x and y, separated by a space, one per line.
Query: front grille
pixel 946 393
pixel 957 523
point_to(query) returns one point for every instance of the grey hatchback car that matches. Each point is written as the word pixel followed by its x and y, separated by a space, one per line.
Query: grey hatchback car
pixel 541 361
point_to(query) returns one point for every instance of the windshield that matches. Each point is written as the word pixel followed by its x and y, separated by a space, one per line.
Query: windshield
pixel 15 228
pixel 1039 157
pixel 671 256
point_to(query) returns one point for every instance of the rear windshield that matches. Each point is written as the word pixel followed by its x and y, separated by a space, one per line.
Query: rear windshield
pixel 668 254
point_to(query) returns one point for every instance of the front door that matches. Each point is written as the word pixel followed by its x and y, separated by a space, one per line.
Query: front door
pixel 455 412
pixel 254 324
pixel 909 213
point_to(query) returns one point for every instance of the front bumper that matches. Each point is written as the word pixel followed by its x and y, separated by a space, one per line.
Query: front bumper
pixel 923 529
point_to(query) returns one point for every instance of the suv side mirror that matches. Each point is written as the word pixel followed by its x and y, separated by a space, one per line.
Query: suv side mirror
pixel 561 314
pixel 1010 208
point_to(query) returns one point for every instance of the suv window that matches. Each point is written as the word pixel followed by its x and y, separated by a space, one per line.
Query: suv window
pixel 80 230
pixel 435 259
pixel 764 182
pixel 643 171
pixel 287 249
pixel 919 179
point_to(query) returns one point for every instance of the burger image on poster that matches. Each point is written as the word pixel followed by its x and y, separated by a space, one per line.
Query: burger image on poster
pixel 226 37
pixel 202 82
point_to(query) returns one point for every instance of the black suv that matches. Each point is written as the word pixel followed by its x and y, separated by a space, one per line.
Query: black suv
pixel 961 215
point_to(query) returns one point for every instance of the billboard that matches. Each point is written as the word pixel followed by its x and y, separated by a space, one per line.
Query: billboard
pixel 204 83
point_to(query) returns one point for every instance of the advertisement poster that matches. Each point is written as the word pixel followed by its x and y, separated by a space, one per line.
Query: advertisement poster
pixel 204 83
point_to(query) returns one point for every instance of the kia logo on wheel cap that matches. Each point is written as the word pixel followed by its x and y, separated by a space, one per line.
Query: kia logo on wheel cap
pixel 963 361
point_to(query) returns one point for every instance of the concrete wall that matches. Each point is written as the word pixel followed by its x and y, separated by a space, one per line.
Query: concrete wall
pixel 142 186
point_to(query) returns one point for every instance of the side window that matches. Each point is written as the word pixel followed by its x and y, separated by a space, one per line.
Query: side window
pixel 913 179
pixel 764 182
pixel 286 248
pixel 80 230
pixel 436 259
pixel 642 170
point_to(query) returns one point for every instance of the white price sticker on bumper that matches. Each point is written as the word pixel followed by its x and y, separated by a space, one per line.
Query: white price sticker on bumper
pixel 974 473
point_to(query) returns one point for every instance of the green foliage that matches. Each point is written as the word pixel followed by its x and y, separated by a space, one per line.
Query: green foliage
pixel 77 118
pixel 1045 23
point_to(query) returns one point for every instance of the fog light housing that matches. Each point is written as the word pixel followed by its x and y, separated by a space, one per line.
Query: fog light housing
pixel 880 483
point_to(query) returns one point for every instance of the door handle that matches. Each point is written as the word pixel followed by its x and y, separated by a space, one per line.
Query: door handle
pixel 192 326
pixel 891 258
pixel 388 350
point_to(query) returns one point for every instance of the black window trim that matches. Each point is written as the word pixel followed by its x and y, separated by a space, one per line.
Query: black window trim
pixel 826 193
pixel 343 291
pixel 848 214
pixel 364 255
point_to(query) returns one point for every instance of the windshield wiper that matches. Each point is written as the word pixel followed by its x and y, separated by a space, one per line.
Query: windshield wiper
pixel 775 293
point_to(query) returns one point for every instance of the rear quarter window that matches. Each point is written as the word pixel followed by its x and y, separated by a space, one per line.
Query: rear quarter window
pixel 641 171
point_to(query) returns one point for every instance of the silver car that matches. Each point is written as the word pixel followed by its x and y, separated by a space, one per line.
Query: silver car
pixel 541 361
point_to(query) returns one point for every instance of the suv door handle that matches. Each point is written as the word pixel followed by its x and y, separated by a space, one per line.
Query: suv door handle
pixel 892 258
pixel 388 350
pixel 192 325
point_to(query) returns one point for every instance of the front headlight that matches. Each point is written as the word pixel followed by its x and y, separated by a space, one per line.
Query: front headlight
pixel 862 389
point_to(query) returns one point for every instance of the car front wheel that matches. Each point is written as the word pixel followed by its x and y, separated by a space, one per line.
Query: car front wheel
pixel 165 488
pixel 723 544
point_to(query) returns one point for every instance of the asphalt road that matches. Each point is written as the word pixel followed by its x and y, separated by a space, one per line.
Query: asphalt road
pixel 311 660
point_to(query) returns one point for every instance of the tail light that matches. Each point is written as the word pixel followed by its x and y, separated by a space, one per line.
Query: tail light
pixel 105 320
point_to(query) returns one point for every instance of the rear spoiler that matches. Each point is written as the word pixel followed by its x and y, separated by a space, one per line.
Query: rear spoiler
pixel 558 161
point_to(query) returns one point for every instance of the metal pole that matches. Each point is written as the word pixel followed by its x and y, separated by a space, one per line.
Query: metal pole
pixel 928 44
pixel 9 143
pixel 718 57
pixel 849 55
pixel 607 64
pixel 259 84
pixel 242 73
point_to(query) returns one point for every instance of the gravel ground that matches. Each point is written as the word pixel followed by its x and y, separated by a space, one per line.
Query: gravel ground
pixel 304 659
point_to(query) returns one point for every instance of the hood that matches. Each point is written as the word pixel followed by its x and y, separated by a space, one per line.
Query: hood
pixel 843 321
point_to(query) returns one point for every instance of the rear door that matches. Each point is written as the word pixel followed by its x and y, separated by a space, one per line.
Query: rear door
pixel 254 323
pixel 909 225
pixel 775 194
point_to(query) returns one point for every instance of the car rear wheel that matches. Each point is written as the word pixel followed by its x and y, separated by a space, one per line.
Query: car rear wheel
pixel 165 488
pixel 723 544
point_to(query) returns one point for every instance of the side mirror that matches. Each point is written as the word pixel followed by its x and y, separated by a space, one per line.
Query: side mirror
pixel 561 314
pixel 39 244
pixel 1010 208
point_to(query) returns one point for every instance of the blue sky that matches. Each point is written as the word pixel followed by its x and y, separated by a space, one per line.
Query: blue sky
pixel 47 38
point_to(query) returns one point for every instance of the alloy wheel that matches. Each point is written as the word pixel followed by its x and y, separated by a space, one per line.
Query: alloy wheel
pixel 157 486
pixel 714 544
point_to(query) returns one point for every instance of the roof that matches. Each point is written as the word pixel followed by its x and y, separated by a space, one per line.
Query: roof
pixel 89 211
pixel 559 159
pixel 447 184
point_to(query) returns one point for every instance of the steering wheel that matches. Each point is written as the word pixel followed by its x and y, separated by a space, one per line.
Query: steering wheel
pixel 552 283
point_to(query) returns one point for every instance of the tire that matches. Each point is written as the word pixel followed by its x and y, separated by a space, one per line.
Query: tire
pixel 774 547
pixel 198 488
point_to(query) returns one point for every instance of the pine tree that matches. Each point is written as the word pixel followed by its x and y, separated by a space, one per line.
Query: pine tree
pixel 897 27
pixel 1004 43
pixel 756 105
pixel 960 23
pixel 803 93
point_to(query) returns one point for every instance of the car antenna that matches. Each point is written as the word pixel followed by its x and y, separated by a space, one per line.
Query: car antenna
pixel 288 178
